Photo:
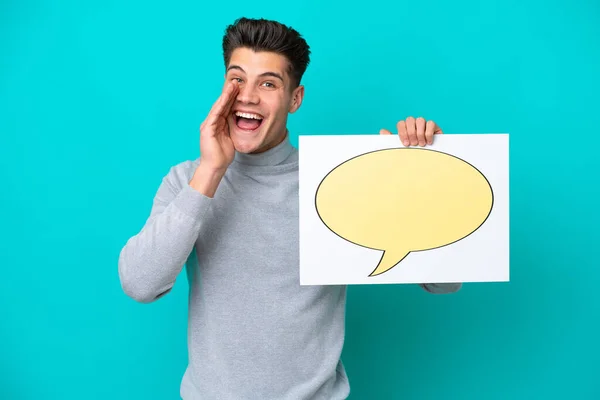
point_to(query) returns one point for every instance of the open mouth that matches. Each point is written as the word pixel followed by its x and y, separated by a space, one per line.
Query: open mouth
pixel 248 121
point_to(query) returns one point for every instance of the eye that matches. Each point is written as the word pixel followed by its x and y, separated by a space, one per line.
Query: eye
pixel 269 84
pixel 238 79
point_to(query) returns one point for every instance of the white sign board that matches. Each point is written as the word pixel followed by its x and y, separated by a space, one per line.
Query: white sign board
pixel 373 211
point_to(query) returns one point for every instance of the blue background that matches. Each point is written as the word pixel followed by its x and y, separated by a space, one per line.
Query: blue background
pixel 98 100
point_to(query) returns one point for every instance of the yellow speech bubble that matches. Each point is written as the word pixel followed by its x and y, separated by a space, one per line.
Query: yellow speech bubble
pixel 403 200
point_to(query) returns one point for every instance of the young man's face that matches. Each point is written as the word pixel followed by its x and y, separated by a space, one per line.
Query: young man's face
pixel 259 114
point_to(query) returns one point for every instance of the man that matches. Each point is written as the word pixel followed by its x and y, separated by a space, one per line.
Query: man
pixel 254 332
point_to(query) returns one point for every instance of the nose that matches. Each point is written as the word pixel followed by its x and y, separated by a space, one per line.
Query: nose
pixel 248 94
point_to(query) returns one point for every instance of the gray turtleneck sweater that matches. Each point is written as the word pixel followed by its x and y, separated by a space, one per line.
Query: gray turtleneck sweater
pixel 254 332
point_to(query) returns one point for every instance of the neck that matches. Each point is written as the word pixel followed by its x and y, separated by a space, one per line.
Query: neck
pixel 273 156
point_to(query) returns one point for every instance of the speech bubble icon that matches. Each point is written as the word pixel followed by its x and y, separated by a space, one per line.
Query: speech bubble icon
pixel 403 200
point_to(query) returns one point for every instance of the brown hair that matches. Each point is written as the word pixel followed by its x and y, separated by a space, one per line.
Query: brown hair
pixel 267 35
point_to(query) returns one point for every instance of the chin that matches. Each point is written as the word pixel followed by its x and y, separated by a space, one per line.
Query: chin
pixel 250 142
pixel 245 143
pixel 245 146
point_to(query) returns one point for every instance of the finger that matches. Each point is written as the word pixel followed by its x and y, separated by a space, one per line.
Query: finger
pixel 420 123
pixel 412 131
pixel 403 133
pixel 223 104
pixel 384 132
pixel 213 114
pixel 429 131
pixel 219 102
pixel 230 97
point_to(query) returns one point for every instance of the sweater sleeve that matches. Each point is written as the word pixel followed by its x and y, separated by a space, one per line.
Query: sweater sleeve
pixel 151 260
pixel 441 288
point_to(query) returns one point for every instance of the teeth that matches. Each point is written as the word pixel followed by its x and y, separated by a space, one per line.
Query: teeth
pixel 248 115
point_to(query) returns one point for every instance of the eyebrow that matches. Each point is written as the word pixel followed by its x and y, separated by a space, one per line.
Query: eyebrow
pixel 268 73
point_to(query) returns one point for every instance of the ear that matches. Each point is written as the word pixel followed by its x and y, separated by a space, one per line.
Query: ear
pixel 297 97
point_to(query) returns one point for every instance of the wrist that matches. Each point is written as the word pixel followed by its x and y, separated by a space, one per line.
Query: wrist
pixel 206 179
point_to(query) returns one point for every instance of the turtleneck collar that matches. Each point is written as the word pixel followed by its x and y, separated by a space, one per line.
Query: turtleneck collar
pixel 273 156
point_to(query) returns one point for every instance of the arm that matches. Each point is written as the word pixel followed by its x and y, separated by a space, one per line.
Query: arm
pixel 441 288
pixel 151 260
